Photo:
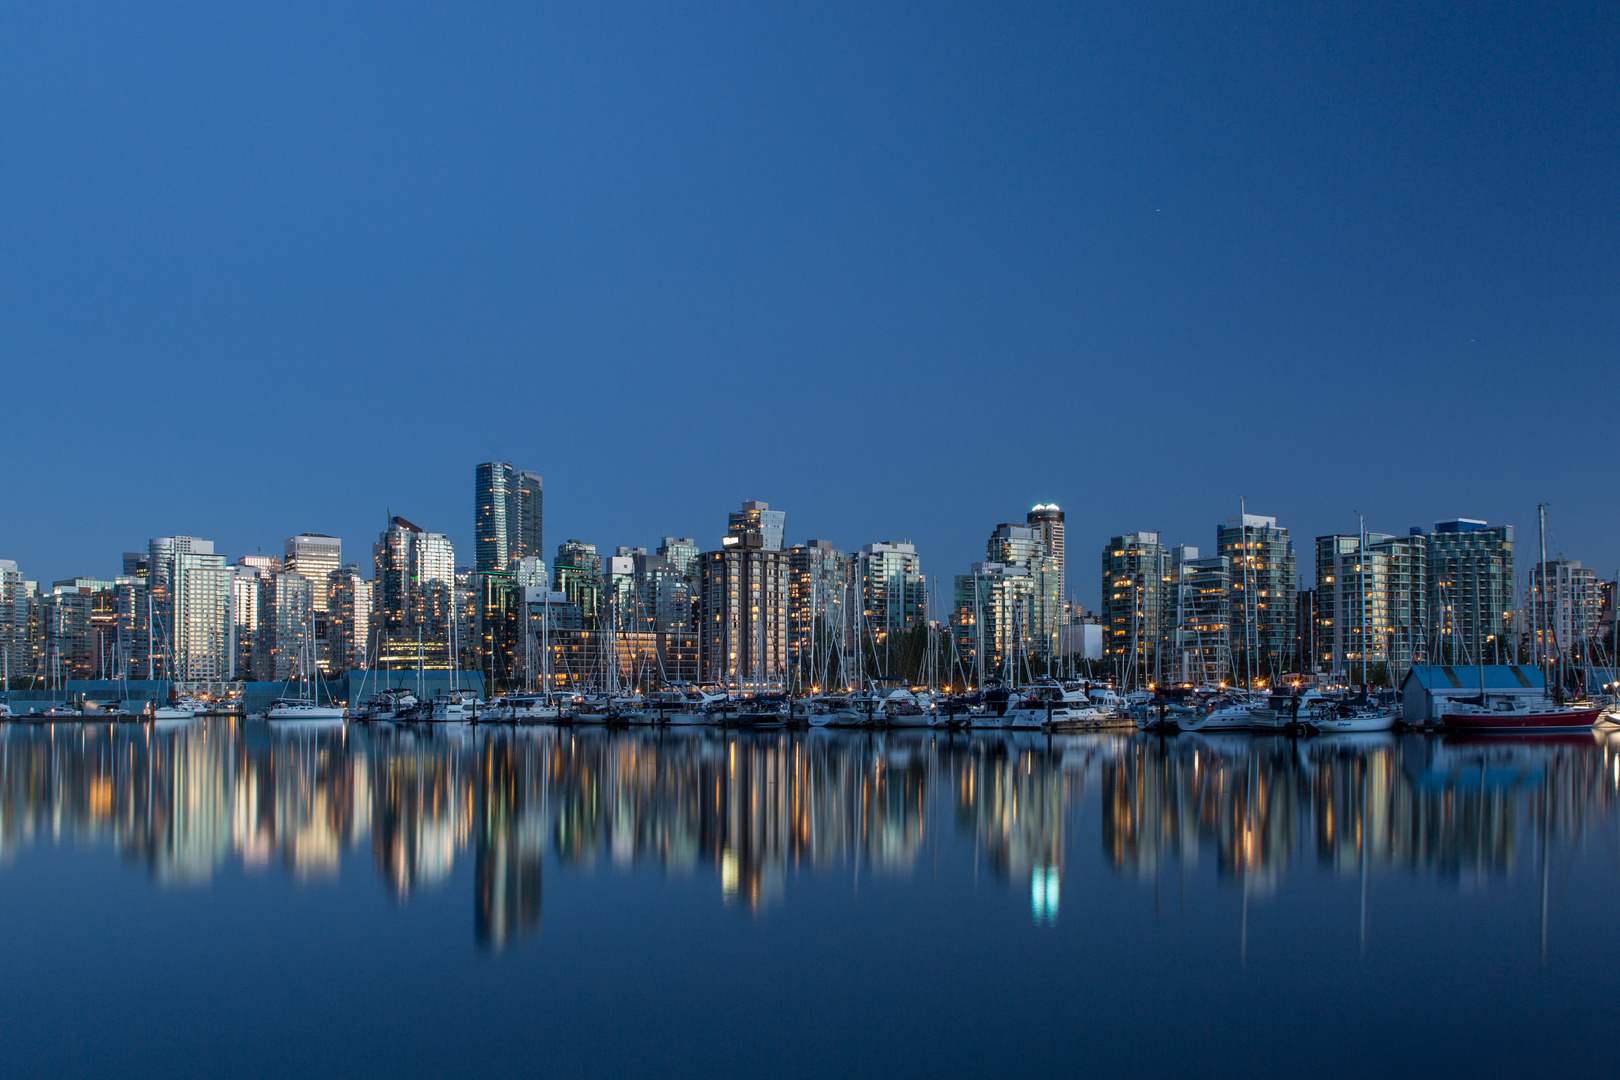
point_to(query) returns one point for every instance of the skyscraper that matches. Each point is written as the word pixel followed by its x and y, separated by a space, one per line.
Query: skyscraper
pixel 414 589
pixel 1040 615
pixel 507 516
pixel 316 556
pixel 577 572
pixel 1197 620
pixel 894 594
pixel 1261 557
pixel 348 606
pixel 742 614
pixel 818 609
pixel 190 598
pixel 1047 520
pixel 1134 571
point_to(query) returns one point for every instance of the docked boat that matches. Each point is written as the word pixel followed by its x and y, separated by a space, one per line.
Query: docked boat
pixel 1222 714
pixel 1343 719
pixel 172 713
pixel 1505 713
pixel 287 709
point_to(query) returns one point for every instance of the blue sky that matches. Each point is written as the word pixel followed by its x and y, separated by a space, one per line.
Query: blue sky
pixel 901 271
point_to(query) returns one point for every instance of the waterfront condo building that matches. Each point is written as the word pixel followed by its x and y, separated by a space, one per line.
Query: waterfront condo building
pixel 1134 572
pixel 742 613
pixel 1264 583
pixel 1047 520
pixel 1563 610
pixel 1470 592
pixel 1197 619
pixel 1371 607
pixel 818 610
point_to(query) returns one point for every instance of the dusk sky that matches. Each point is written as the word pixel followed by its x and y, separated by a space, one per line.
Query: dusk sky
pixel 901 271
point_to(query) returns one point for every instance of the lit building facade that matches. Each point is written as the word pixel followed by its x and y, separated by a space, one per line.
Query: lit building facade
pixel 1264 582
pixel 758 517
pixel 989 621
pixel 1134 573
pixel 348 606
pixel 1371 609
pixel 742 614
pixel 1047 520
pixel 1197 619
pixel 316 556
pixel 286 628
pixel 893 591
pixel 1042 614
pixel 577 574
pixel 819 584
pixel 1563 611
pixel 414 589
pixel 1470 598
pixel 507 516
pixel 682 553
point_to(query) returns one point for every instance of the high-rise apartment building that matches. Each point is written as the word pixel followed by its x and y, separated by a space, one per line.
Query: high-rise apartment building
pixel 1028 546
pixel 1563 609
pixel 818 610
pixel 1047 520
pixel 1264 583
pixel 16 650
pixel 682 553
pixel 507 516
pixel 1197 619
pixel 247 578
pixel 1134 572
pixel 663 594
pixel 285 636
pixel 990 620
pixel 893 591
pixel 190 603
pixel 1370 607
pixel 415 595
pixel 1470 592
pixel 758 517
pixel 742 614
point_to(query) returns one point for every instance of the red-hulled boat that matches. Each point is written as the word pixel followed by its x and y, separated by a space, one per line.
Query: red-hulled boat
pixel 1506 714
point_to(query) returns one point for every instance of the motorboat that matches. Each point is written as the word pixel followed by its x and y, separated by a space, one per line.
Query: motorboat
pixel 762 712
pixel 172 712
pixel 901 709
pixel 1222 714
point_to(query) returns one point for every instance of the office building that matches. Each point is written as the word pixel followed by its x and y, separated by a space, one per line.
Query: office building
pixel 1470 598
pixel 414 591
pixel 317 557
pixel 1371 608
pixel 1134 572
pixel 1264 583
pixel 758 517
pixel 507 516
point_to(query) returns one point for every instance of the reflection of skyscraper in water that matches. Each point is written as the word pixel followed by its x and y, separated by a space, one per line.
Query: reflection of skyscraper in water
pixel 509 845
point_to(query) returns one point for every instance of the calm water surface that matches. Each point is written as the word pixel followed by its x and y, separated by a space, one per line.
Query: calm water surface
pixel 226 898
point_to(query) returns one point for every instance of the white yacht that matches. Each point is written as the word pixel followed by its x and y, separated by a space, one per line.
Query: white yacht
pixel 1222 714
pixel 304 709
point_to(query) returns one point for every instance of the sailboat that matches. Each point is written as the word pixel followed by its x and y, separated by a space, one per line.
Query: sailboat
pixel 307 706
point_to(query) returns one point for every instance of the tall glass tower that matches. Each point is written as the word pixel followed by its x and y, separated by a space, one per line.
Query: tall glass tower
pixel 507 516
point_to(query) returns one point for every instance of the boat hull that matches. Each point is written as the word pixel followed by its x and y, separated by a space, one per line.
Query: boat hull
pixel 1570 720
